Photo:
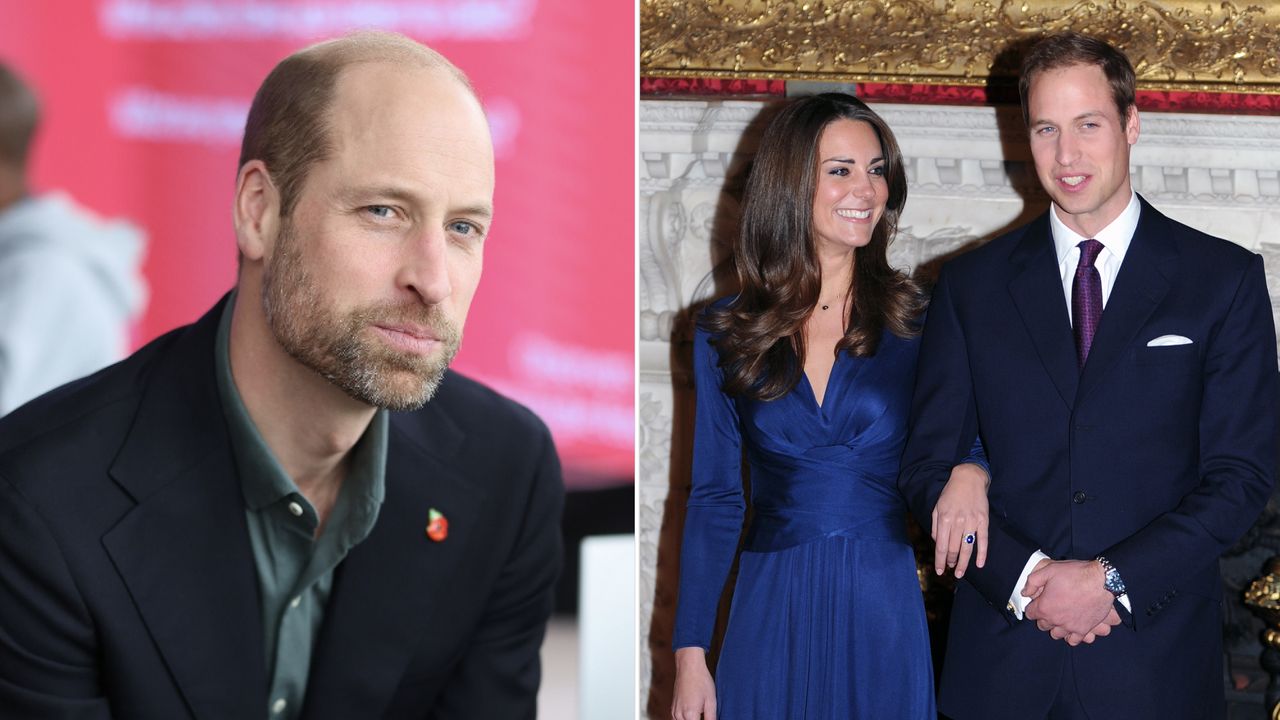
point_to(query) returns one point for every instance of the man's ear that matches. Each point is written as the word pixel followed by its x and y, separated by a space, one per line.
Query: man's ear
pixel 1132 126
pixel 255 211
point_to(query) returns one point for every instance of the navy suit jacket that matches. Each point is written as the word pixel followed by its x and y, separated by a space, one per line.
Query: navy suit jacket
pixel 127 582
pixel 1158 458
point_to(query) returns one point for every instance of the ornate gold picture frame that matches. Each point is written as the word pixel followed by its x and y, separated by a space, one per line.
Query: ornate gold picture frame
pixel 1177 45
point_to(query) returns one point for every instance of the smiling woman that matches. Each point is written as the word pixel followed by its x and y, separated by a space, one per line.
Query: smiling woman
pixel 809 369
pixel 851 190
pixel 795 252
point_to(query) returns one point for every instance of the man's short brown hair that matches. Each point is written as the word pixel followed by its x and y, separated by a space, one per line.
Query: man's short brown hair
pixel 19 115
pixel 1066 49
pixel 288 126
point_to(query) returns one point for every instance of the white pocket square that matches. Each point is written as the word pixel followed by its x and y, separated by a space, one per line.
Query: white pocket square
pixel 1167 340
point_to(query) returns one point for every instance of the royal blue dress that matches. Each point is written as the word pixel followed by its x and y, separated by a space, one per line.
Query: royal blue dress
pixel 827 619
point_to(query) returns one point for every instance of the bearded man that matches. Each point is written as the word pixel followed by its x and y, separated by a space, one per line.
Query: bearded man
pixel 292 508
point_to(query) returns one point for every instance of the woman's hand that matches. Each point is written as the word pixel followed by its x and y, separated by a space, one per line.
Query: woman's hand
pixel 961 511
pixel 695 696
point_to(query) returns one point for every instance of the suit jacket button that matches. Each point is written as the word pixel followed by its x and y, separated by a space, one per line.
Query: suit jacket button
pixel 1078 498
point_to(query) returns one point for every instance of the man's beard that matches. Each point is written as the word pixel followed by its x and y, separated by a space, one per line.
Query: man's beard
pixel 339 347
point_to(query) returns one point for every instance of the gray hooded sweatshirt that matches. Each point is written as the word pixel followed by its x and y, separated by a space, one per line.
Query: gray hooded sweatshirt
pixel 70 289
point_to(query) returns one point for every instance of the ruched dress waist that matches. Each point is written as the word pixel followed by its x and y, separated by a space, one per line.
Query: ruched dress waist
pixel 807 499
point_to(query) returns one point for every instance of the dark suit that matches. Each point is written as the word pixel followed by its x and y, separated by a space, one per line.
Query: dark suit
pixel 127 584
pixel 1156 457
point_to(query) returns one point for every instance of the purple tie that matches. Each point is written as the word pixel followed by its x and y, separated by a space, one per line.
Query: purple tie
pixel 1086 298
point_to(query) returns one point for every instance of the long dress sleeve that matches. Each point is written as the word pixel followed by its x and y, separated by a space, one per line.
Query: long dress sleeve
pixel 716 505
pixel 978 456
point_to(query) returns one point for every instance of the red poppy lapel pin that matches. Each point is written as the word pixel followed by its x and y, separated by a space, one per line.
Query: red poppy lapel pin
pixel 437 525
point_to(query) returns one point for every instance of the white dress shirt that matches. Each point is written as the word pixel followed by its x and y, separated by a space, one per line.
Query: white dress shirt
pixel 1115 239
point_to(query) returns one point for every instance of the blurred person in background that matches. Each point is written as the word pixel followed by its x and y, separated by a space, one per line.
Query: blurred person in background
pixel 70 283
pixel 293 508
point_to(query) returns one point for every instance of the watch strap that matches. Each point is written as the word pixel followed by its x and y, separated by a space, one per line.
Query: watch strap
pixel 1112 580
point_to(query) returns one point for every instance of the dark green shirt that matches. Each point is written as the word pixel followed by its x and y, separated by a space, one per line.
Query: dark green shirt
pixel 295 568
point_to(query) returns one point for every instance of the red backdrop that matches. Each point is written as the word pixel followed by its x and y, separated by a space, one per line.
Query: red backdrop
pixel 144 104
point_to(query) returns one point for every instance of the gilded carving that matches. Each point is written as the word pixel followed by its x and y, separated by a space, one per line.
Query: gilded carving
pixel 1192 45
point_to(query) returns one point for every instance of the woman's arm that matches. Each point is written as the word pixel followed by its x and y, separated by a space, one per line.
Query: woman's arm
pixel 959 521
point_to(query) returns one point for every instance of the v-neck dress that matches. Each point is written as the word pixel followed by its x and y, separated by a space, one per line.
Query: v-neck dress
pixel 827 619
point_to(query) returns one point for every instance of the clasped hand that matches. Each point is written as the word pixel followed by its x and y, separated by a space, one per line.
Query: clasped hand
pixel 1069 600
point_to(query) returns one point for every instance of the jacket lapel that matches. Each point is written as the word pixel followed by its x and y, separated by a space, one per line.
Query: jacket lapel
pixel 387 591
pixel 1143 282
pixel 1037 293
pixel 184 551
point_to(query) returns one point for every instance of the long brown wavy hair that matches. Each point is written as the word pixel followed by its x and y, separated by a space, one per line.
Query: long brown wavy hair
pixel 760 334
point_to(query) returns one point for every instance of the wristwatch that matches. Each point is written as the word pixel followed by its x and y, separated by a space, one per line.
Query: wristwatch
pixel 1112 582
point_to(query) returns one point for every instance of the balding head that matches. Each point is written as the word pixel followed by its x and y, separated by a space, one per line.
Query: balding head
pixel 289 125
pixel 19 114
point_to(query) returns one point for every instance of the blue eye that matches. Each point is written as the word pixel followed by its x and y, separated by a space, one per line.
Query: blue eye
pixel 462 227
pixel 380 211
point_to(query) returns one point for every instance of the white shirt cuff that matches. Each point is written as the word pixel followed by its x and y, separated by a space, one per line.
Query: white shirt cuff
pixel 1017 602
